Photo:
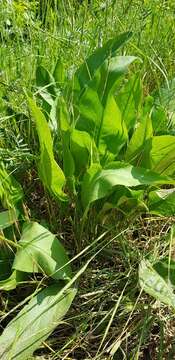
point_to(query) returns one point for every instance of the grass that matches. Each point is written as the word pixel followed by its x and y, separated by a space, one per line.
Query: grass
pixel 111 318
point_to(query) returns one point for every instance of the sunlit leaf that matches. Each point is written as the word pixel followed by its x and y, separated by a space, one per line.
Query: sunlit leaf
pixel 87 70
pixel 139 147
pixel 112 134
pixel 8 217
pixel 59 73
pixel 12 281
pixel 51 174
pixel 155 285
pixel 64 132
pixel 98 183
pixel 83 150
pixel 41 251
pixel 162 202
pixel 129 100
pixel 163 154
pixel 44 80
pixel 35 322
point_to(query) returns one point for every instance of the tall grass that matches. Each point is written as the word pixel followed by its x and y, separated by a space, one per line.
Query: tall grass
pixel 71 31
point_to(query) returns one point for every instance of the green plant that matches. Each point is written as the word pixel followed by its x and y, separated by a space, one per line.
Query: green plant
pixel 112 154
pixel 109 142
pixel 38 251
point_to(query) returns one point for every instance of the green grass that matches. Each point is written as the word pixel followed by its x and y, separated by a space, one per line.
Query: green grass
pixel 111 317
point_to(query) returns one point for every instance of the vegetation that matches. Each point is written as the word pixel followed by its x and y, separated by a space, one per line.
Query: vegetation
pixel 87 180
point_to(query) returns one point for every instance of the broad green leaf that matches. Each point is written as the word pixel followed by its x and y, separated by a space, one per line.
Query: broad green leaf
pixel 103 124
pixel 132 206
pixel 68 162
pixel 112 201
pixel 124 192
pixel 49 106
pixel 8 217
pixel 155 285
pixel 129 100
pixel 112 134
pixel 162 154
pixel 52 118
pixel 87 70
pixel 45 80
pixel 42 252
pixel 48 99
pixel 162 202
pixel 125 200
pixel 159 120
pixel 43 130
pixel 64 132
pixel 10 190
pixel 48 93
pixel 35 322
pixel 98 183
pixel 138 150
pixel 91 112
pixel 51 174
pixel 99 113
pixel 63 116
pixel 110 74
pixel 166 268
pixel 83 150
pixel 12 281
pixel 87 182
pixel 59 73
pixel 148 105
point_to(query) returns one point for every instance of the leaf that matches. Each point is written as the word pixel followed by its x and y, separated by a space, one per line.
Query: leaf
pixel 112 134
pixel 155 285
pixel 50 173
pixel 10 190
pixel 45 80
pixel 8 217
pixel 125 200
pixel 162 202
pixel 48 93
pixel 59 73
pixel 138 150
pixel 63 116
pixel 163 154
pixel 98 183
pixel 129 100
pixel 34 323
pixel 68 162
pixel 159 120
pixel 111 73
pixel 41 251
pixel 99 113
pixel 64 132
pixel 87 70
pixel 83 150
pixel 12 281
pixel 90 110
pixel 166 269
